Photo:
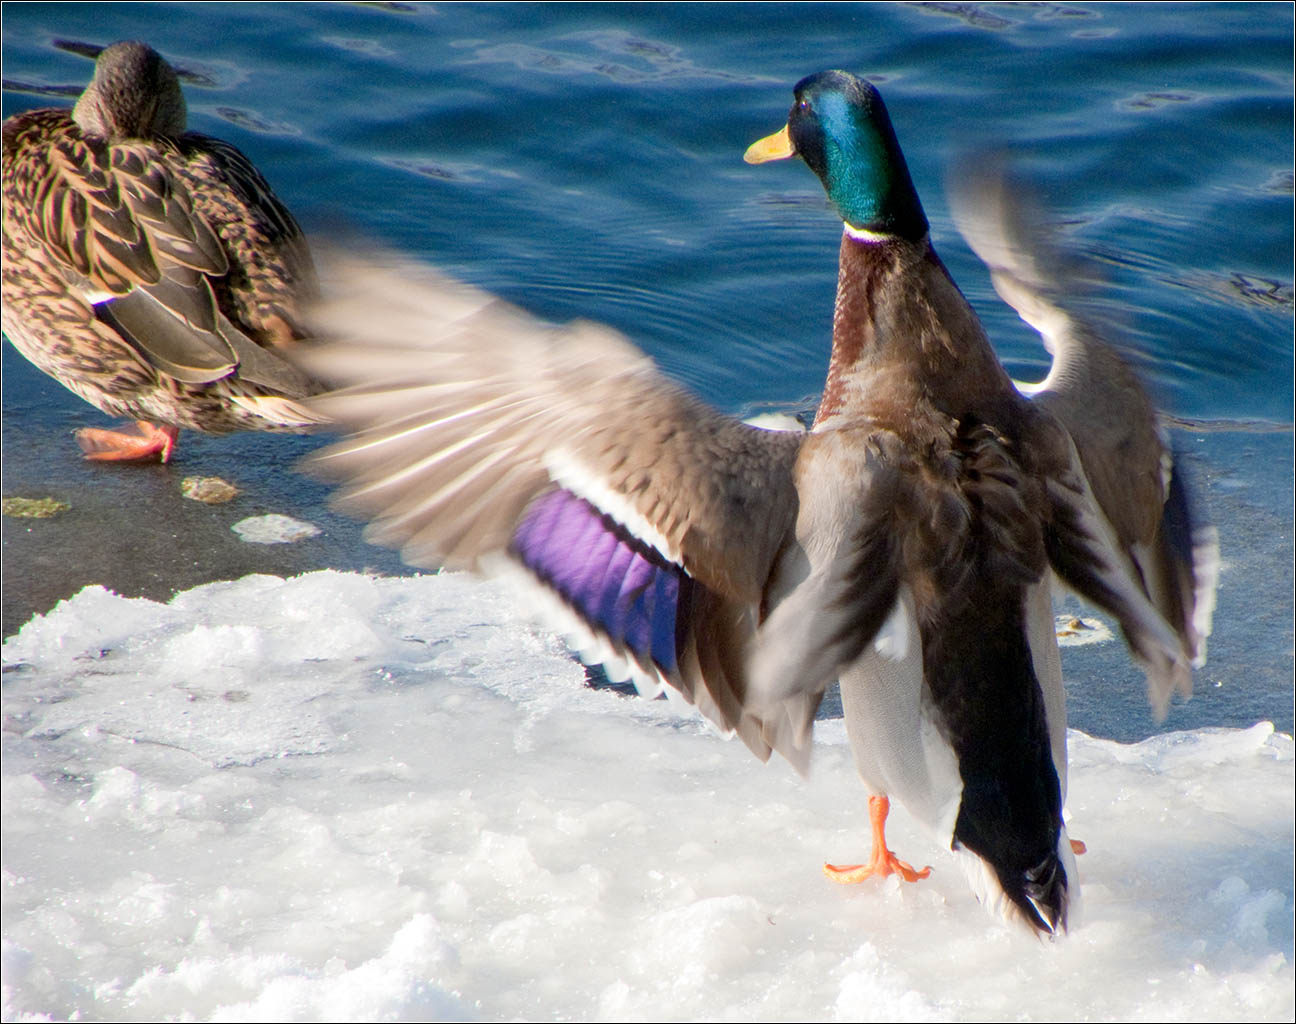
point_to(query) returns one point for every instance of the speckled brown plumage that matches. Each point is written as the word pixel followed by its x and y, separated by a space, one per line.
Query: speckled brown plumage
pixel 151 270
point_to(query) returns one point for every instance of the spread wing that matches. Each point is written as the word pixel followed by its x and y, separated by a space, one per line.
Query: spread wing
pixel 1094 394
pixel 483 438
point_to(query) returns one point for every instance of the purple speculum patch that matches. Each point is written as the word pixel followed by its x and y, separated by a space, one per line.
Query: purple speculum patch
pixel 613 580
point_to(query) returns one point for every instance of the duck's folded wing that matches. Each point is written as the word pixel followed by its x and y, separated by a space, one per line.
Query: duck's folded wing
pixel 275 275
pixel 124 235
pixel 119 221
pixel 483 438
pixel 1128 468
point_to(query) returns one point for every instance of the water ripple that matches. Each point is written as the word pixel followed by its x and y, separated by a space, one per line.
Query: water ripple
pixel 255 122
pixel 649 62
pixel 35 89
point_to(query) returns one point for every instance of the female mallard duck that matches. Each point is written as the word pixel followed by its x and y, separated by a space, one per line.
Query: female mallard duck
pixel 904 546
pixel 149 269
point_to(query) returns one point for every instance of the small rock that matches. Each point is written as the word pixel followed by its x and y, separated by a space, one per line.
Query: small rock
pixel 274 529
pixel 1073 631
pixel 209 489
pixel 34 508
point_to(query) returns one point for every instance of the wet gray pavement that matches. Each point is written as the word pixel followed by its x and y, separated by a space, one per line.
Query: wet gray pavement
pixel 129 528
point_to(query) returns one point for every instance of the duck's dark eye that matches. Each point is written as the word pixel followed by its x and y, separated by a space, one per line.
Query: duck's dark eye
pixel 803 105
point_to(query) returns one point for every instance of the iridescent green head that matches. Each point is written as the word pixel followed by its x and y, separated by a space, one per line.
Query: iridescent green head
pixel 840 128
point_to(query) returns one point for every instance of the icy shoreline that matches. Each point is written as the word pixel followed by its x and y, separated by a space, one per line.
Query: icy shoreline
pixel 345 797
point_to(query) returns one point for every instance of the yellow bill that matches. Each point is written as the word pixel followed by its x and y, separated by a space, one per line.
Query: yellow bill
pixel 773 147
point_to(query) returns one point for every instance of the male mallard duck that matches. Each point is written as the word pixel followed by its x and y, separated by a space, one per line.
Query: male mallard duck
pixel 904 546
pixel 149 269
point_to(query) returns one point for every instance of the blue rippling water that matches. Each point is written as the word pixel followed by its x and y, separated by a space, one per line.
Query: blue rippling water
pixel 585 160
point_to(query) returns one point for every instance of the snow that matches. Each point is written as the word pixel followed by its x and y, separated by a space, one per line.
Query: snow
pixel 344 797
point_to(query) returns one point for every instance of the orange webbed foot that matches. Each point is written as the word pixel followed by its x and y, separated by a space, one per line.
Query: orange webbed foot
pixel 123 446
pixel 882 862
pixel 889 864
pixel 1077 846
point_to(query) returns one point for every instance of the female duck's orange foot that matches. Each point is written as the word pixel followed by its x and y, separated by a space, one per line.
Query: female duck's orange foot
pixel 882 862
pixel 1077 846
pixel 121 446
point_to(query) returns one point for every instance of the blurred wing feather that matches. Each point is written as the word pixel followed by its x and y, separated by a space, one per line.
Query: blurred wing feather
pixel 479 436
pixel 1131 477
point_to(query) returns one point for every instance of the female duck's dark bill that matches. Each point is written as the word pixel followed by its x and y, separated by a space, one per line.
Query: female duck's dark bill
pixel 773 147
